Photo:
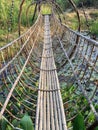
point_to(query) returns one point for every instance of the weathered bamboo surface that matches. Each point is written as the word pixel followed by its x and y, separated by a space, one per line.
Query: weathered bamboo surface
pixel 50 112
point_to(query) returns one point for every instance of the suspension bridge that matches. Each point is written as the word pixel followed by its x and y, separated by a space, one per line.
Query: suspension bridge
pixel 48 61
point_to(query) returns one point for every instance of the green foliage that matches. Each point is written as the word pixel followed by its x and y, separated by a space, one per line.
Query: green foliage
pixel 91 118
pixel 87 3
pixel 78 123
pixel 5 14
pixel 77 1
pixel 3 124
pixel 9 127
pixel 45 9
pixel 26 123
pixel 66 4
pixel 94 28
pixel 94 14
pixel 15 123
pixel 96 128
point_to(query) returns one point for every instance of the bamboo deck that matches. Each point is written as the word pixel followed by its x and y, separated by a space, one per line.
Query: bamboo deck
pixel 50 112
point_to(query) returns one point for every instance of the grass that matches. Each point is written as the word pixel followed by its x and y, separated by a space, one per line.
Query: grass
pixel 94 14
pixel 4 36
pixel 94 28
pixel 72 22
pixel 46 9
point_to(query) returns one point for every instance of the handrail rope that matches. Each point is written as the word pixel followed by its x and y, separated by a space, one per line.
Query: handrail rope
pixel 29 61
pixel 16 81
pixel 85 106
pixel 16 128
pixel 70 119
pixel 9 79
pixel 15 66
pixel 66 102
pixel 24 76
pixel 80 85
pixel 82 63
pixel 94 68
pixel 73 117
pixel 87 60
pixel 22 62
pixel 34 73
pixel 13 42
pixel 83 60
pixel 20 90
pixel 91 41
pixel 11 114
pixel 92 93
pixel 91 65
pixel 17 74
pixel 18 99
pixel 32 58
pixel 16 54
pixel 28 87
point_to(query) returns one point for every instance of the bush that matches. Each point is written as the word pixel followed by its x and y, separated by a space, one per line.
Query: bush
pixel 78 123
pixel 94 28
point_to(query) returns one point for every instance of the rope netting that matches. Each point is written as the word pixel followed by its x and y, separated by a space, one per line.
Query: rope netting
pixel 16 60
pixel 78 72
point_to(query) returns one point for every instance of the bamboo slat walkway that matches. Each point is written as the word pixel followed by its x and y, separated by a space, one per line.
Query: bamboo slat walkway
pixel 50 112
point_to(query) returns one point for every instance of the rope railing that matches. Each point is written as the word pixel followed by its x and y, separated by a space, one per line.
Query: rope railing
pixel 14 75
pixel 18 51
pixel 79 83
pixel 85 63
pixel 14 85
pixel 26 33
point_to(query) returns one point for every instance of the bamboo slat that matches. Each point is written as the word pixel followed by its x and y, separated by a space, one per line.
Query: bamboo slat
pixel 50 112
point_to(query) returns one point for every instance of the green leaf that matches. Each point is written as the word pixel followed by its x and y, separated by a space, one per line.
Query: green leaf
pixel 3 124
pixel 78 123
pixel 96 128
pixel 9 127
pixel 15 123
pixel 26 123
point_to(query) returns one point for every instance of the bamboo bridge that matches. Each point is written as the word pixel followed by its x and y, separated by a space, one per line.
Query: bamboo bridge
pixel 33 68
